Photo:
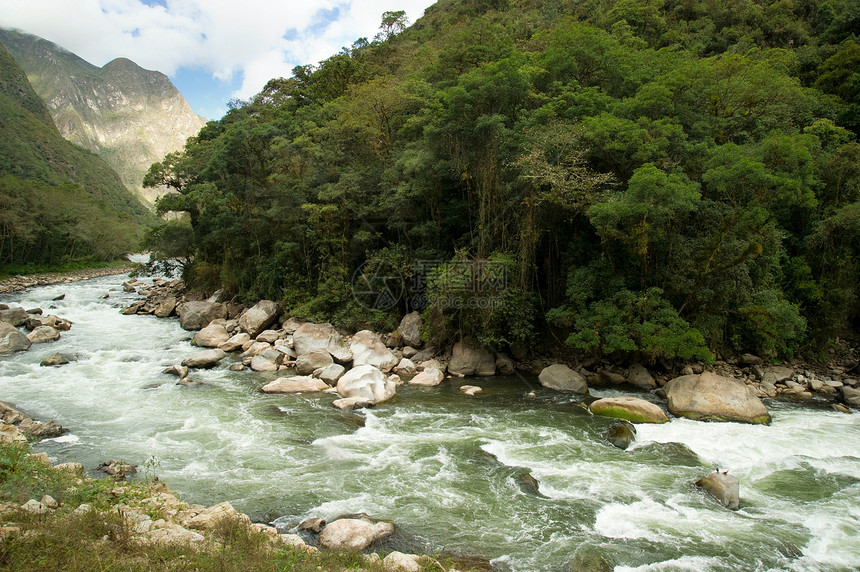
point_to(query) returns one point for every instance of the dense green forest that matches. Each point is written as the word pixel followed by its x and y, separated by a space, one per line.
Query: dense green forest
pixel 58 202
pixel 638 178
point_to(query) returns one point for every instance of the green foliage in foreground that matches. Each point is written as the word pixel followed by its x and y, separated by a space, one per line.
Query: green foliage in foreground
pixel 103 540
pixel 655 180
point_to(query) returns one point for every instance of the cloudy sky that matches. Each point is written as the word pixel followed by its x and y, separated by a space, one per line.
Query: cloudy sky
pixel 213 50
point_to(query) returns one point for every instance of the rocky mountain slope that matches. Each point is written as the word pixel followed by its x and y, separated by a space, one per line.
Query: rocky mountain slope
pixel 129 116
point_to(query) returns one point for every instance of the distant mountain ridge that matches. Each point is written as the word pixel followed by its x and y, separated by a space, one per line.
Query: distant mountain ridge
pixel 130 116
pixel 59 203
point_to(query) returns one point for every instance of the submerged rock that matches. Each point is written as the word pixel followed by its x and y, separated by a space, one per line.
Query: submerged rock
pixel 708 396
pixel 57 360
pixel 632 409
pixel 470 390
pixel 621 434
pixel 723 487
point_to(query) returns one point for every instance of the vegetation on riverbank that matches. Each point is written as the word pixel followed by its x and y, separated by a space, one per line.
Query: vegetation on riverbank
pixel 642 179
pixel 103 538
pixel 67 269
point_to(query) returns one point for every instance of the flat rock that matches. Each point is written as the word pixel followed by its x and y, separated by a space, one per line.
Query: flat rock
pixel 470 390
pixel 295 384
pixel 629 408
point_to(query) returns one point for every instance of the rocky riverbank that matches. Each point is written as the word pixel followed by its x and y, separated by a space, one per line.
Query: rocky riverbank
pixel 16 283
pixel 366 367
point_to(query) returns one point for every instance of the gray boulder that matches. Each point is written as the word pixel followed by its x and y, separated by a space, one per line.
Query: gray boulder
pixel 311 337
pixel 259 317
pixel 410 329
pixel 639 377
pixel 331 373
pixel 12 339
pixel 562 378
pixel 307 363
pixel 468 358
pixel 14 316
pixel 368 349
pixel 197 315
pixel 269 359
pixel 165 307
pixel 204 359
pixel 235 342
pixel 725 488
pixel 850 395
pixel 708 396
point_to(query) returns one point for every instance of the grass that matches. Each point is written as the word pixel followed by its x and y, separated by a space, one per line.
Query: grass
pixel 103 538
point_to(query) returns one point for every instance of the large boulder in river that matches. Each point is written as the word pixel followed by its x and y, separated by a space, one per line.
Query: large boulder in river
pixel 204 359
pixel 430 377
pixel 468 358
pixel 708 396
pixel 14 316
pixel 410 329
pixel 725 488
pixel 43 334
pixel 368 349
pixel 12 339
pixel 367 383
pixel 621 434
pixel 354 533
pixel 311 337
pixel 632 409
pixel 197 315
pixel 212 336
pixel 259 317
pixel 561 378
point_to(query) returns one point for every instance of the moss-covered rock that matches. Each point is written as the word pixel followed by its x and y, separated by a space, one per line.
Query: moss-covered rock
pixel 631 409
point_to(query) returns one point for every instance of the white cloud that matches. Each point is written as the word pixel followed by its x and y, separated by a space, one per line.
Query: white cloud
pixel 259 39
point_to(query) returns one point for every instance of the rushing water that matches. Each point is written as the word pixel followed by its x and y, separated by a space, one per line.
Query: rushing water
pixel 447 469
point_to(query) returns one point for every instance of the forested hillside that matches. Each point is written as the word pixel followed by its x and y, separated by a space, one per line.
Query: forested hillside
pixel 638 178
pixel 58 202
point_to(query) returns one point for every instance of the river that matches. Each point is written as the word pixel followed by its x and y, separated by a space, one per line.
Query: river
pixel 446 468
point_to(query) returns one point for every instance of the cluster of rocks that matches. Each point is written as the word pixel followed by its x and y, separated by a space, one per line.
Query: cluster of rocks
pixel 14 321
pixel 190 525
pixel 16 426
pixel 16 283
